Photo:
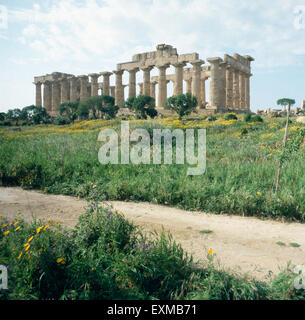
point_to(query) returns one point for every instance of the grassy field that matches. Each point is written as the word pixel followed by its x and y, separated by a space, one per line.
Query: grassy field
pixel 242 161
pixel 107 257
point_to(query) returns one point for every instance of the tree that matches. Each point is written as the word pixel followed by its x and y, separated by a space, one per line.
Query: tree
pixel 68 110
pixel 98 107
pixel 2 116
pixel 286 103
pixel 182 104
pixel 142 105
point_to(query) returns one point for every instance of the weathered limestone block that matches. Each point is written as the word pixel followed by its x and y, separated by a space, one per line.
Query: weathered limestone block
pixel 106 82
pixel 47 95
pixel 132 82
pixel 223 79
pixel 178 83
pixel 64 91
pixel 83 87
pixel 162 88
pixel 236 102
pixel 242 90
pixel 38 101
pixel 215 82
pixel 229 87
pixel 73 88
pixel 94 83
pixel 146 80
pixel 55 96
pixel 119 94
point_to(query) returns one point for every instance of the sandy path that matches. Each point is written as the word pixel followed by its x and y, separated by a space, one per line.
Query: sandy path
pixel 245 244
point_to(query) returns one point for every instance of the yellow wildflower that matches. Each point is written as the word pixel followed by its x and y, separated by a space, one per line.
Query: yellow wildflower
pixel 17 228
pixel 20 255
pixel 60 260
pixel 27 248
pixel 46 227
pixel 6 233
pixel 258 193
pixel 26 244
pixel 15 224
pixel 211 251
pixel 4 225
pixel 32 237
pixel 1 215
pixel 39 229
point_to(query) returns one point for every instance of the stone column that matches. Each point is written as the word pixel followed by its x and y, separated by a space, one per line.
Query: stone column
pixel 64 91
pixel 83 87
pixel 146 80
pixel 162 89
pixel 203 94
pixel 47 96
pixel 55 96
pixel 302 105
pixel 140 84
pixel 229 87
pixel 73 89
pixel 106 82
pixel 94 84
pixel 132 82
pixel 236 89
pixel 241 91
pixel 119 100
pixel 215 82
pixel 189 86
pixel 153 89
pixel 223 85
pixel 247 91
pixel 178 83
pixel 196 73
pixel 38 101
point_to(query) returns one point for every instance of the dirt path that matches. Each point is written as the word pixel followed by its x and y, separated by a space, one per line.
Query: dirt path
pixel 242 243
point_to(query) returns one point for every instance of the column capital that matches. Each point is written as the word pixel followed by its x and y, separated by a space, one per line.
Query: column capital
pixel 105 73
pixel 214 60
pixel 133 70
pixel 196 63
pixel 163 66
pixel 83 76
pixel 146 68
pixel 179 64
pixel 118 72
pixel 94 75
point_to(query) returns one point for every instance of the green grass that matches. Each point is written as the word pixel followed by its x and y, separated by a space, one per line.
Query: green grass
pixel 239 179
pixel 107 257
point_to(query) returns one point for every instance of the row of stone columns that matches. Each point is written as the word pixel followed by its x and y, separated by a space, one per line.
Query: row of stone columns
pixel 229 87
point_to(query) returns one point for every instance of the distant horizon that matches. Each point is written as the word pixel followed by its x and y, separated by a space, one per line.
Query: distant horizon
pixel 87 36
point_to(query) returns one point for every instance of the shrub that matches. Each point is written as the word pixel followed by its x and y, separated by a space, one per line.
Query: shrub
pixel 257 118
pixel 247 117
pixel 230 116
pixel 142 105
pixel 182 104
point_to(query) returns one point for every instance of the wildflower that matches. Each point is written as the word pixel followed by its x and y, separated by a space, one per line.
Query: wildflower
pixel 4 226
pixel 246 197
pixel 211 251
pixel 6 233
pixel 39 229
pixel 1 215
pixel 15 224
pixel 32 237
pixel 20 255
pixel 46 227
pixel 60 260
pixel 258 193
pixel 17 228
pixel 26 244
pixel 27 248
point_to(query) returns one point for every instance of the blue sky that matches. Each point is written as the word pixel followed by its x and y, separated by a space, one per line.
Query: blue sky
pixel 84 36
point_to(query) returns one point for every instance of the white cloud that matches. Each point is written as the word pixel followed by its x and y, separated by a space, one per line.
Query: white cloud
pixel 114 30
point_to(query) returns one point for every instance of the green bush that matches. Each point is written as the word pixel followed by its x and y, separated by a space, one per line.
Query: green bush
pixel 257 118
pixel 230 116
pixel 247 117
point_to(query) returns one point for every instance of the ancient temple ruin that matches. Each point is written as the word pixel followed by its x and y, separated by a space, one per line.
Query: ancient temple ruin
pixel 229 81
